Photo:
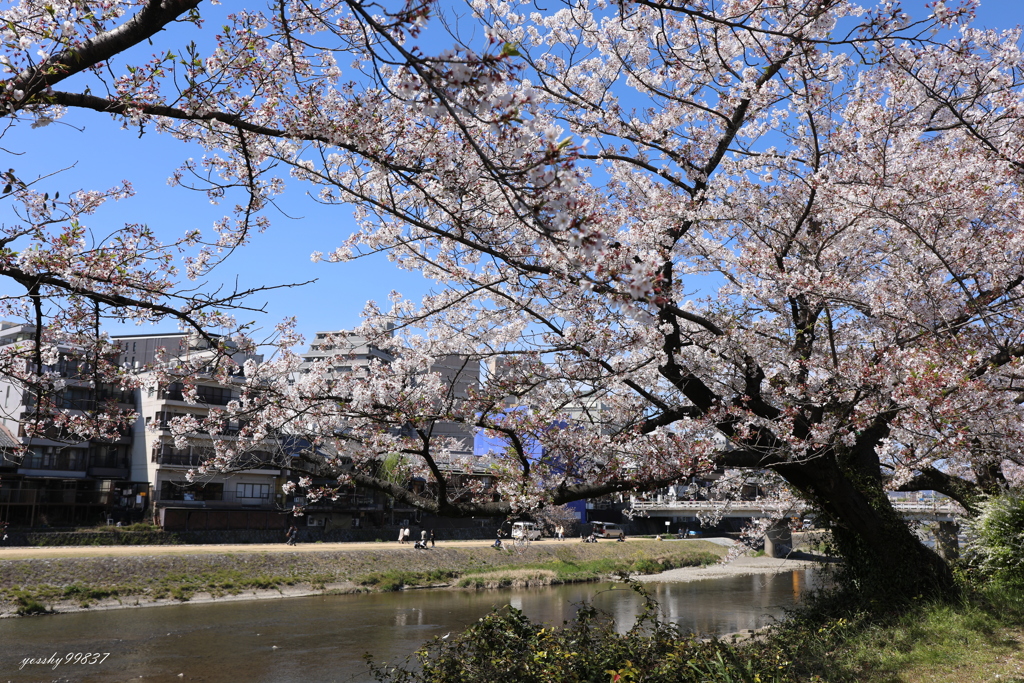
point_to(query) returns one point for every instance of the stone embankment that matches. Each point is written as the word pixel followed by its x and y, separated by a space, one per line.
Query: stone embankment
pixel 153 576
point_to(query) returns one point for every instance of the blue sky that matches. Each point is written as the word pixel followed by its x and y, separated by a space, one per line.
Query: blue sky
pixel 93 152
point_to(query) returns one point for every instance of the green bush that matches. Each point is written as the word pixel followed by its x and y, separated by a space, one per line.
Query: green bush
pixel 395 579
pixel 505 645
pixel 28 605
pixel 996 539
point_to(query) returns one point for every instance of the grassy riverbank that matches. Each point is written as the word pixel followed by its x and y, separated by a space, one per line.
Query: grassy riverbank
pixel 978 638
pixel 37 586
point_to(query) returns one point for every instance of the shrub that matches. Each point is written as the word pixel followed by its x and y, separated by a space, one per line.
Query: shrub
pixel 996 545
pixel 28 604
pixel 506 645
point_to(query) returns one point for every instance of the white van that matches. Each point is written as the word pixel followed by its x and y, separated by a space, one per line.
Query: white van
pixel 607 529
pixel 527 530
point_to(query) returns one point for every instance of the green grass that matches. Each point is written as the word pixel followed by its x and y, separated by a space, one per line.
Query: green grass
pixel 29 605
pixel 89 581
pixel 180 586
pixel 86 595
pixel 569 569
pixel 394 579
pixel 978 639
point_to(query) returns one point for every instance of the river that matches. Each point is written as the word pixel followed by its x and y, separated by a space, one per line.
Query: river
pixel 323 638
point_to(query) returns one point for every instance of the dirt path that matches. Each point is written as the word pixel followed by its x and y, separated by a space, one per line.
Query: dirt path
pixel 741 566
pixel 42 553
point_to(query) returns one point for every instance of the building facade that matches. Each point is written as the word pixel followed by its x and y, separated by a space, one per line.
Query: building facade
pixel 350 353
pixel 248 497
pixel 53 478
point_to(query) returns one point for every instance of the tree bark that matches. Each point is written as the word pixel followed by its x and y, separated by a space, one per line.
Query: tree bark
pixel 885 563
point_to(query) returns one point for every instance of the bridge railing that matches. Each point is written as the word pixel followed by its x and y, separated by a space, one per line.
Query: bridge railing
pixel 940 509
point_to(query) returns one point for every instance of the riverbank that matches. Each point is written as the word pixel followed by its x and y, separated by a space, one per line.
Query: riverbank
pixel 54 580
pixel 741 566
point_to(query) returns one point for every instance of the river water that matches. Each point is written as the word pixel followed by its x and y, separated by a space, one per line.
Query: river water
pixel 324 638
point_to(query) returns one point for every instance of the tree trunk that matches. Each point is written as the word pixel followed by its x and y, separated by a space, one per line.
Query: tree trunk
pixel 884 562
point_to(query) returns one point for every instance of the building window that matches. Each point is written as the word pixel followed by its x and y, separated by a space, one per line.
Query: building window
pixel 182 490
pixel 109 456
pixel 257 491
pixel 54 458
pixel 219 396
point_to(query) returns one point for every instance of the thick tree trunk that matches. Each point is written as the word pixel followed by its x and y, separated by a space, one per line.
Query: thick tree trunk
pixel 883 560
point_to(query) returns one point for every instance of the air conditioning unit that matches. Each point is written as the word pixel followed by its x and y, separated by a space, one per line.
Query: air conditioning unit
pixel 312 521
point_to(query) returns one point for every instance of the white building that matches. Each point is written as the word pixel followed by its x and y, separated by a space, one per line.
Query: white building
pixel 353 353
pixel 248 497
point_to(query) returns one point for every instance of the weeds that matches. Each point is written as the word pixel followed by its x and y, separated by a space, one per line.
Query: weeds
pixel 395 580
pixel 29 605
pixel 85 595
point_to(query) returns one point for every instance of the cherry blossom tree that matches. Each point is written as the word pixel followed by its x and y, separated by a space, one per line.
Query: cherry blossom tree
pixel 66 281
pixel 681 235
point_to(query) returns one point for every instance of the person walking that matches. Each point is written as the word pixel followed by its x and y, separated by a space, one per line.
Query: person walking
pixel 432 542
pixel 560 530
pixel 423 537
pixel 401 535
pixel 291 535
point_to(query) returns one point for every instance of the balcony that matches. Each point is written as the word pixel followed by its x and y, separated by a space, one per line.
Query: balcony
pixel 56 496
pixel 54 458
pixel 194 457
pixel 213 396
pixel 181 459
pixel 345 501
pixel 101 472
pixel 214 499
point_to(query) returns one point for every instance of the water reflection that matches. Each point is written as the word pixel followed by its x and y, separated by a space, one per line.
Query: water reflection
pixel 324 638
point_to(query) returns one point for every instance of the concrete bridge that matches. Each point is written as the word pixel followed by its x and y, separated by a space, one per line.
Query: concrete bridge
pixel 936 511
pixel 778 539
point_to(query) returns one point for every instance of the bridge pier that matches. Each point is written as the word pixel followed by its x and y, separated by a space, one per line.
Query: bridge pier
pixel 778 540
pixel 946 543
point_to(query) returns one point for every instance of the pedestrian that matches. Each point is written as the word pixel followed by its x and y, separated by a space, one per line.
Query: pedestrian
pixel 3 533
pixel 407 533
pixel 432 543
pixel 560 530
pixel 423 537
pixel 291 535
pixel 401 535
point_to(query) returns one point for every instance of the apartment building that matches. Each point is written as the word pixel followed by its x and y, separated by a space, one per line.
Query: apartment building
pixel 62 481
pixel 55 478
pixel 249 497
pixel 352 353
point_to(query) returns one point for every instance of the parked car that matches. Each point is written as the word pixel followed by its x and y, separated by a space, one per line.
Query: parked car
pixel 607 529
pixel 527 530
